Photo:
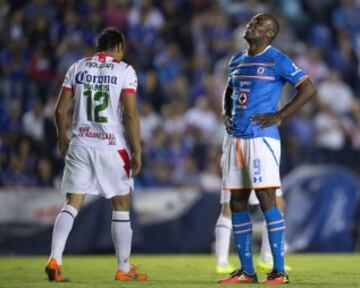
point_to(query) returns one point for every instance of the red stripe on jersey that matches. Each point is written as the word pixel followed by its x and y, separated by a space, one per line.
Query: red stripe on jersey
pixel 116 60
pixel 102 56
pixel 302 80
pixel 67 88
pixel 125 157
pixel 128 91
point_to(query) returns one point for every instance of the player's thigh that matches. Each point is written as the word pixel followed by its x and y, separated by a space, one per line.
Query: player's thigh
pixel 235 171
pixel 121 202
pixel 75 200
pixel 239 199
pixel 263 160
pixel 112 170
pixel 78 172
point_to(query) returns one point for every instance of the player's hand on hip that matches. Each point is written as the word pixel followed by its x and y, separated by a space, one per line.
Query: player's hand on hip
pixel 228 122
pixel 63 142
pixel 266 120
pixel 136 164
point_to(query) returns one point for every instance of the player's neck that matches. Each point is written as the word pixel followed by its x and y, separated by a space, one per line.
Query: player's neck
pixel 256 48
pixel 114 55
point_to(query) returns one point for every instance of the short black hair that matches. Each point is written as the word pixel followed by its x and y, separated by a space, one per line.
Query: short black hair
pixel 109 39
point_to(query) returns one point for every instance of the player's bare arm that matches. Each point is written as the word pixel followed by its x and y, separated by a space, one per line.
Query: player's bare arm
pixel 62 106
pixel 304 92
pixel 132 129
pixel 227 107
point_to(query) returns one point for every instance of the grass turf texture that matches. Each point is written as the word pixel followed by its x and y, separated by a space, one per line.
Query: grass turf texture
pixel 309 270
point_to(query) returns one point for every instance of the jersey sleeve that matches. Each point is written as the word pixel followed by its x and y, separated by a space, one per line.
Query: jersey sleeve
pixel 130 81
pixel 68 83
pixel 288 71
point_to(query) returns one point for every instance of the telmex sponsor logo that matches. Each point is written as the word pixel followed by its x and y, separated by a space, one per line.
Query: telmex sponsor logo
pixel 83 77
pixel 97 65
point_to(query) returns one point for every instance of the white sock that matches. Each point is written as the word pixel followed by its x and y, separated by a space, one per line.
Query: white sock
pixel 122 234
pixel 265 251
pixel 62 227
pixel 223 231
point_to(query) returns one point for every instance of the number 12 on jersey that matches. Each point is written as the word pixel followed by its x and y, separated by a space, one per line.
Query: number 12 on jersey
pixel 103 99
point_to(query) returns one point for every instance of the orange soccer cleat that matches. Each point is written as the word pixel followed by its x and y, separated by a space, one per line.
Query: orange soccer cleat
pixel 53 271
pixel 239 276
pixel 132 275
pixel 275 278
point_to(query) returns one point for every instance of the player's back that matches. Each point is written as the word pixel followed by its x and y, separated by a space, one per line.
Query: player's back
pixel 98 83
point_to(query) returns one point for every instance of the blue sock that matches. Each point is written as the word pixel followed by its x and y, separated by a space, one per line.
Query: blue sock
pixel 276 229
pixel 242 228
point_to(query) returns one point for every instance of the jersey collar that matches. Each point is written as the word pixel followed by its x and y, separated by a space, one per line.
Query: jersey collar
pixel 267 48
pixel 102 57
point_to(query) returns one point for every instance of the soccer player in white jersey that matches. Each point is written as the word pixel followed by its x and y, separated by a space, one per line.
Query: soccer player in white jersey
pixel 99 160
pixel 256 77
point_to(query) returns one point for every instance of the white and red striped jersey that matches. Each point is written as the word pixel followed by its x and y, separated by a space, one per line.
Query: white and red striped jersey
pixel 98 83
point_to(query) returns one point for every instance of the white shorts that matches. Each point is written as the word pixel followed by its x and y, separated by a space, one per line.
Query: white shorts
pixel 253 200
pixel 96 171
pixel 251 163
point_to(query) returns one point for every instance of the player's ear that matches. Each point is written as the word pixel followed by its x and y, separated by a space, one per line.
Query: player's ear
pixel 270 34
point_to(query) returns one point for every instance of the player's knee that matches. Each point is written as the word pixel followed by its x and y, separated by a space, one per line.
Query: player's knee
pixel 121 203
pixel 75 200
pixel 281 203
pixel 267 198
pixel 238 204
pixel 239 200
pixel 225 210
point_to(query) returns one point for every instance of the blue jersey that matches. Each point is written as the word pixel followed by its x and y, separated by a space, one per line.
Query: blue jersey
pixel 257 82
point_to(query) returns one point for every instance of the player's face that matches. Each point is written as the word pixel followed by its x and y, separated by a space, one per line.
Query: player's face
pixel 257 28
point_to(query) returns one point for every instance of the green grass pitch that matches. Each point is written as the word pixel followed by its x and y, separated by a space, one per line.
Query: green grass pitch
pixel 309 270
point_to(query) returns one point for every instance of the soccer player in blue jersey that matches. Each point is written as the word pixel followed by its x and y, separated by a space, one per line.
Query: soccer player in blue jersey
pixel 256 78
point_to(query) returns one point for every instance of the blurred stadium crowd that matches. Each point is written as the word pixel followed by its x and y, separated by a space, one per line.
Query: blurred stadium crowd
pixel 180 49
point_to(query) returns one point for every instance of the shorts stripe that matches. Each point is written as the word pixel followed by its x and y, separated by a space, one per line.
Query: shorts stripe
pixel 125 157
pixel 271 150
pixel 239 155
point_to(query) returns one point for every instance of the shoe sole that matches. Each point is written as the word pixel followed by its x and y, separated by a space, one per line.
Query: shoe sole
pixel 133 279
pixel 246 283
pixel 50 273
